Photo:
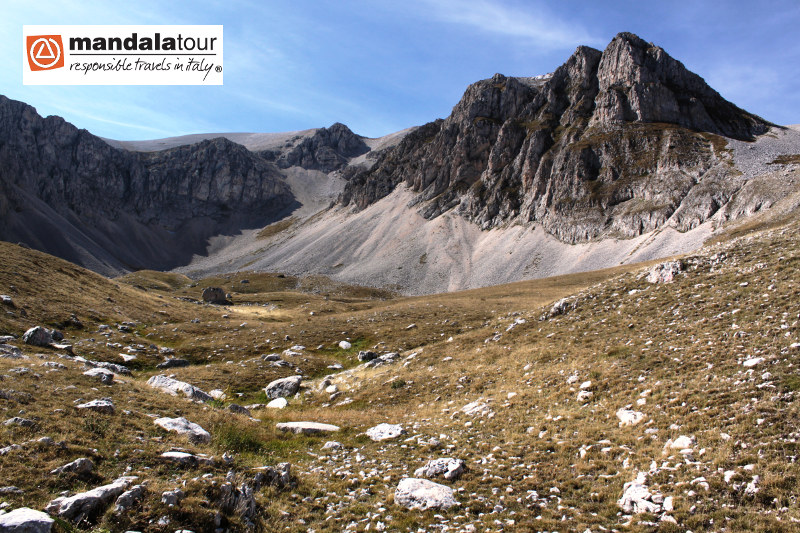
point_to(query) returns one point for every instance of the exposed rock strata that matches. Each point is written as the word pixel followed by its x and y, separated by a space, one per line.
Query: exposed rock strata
pixel 613 143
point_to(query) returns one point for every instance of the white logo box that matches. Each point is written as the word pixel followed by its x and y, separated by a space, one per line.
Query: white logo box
pixel 122 55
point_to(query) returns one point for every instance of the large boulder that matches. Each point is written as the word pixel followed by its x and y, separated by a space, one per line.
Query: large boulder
pixel 193 431
pixel 25 520
pixel 414 493
pixel 215 295
pixel 38 336
pixel 280 388
pixel 175 387
pixel 90 504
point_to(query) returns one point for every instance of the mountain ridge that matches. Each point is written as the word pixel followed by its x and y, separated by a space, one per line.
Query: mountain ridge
pixel 553 150
pixel 608 151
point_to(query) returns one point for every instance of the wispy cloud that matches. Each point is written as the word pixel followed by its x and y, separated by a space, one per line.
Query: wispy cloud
pixel 533 23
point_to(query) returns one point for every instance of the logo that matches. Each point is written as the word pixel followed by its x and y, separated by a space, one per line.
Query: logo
pixel 45 52
pixel 121 54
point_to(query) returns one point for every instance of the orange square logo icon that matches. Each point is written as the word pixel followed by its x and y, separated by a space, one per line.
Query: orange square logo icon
pixel 45 52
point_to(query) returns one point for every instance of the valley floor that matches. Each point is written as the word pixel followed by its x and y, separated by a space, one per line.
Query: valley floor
pixel 687 386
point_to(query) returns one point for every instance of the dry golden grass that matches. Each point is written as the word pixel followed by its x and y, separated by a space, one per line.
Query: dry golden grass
pixel 677 346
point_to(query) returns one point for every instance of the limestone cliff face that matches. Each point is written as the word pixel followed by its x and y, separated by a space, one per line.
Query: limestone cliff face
pixel 613 143
pixel 68 192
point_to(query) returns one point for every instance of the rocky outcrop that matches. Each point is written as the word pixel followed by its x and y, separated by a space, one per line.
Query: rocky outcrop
pixel 69 193
pixel 613 143
pixel 328 149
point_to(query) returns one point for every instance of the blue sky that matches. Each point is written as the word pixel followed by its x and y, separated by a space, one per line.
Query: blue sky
pixel 381 66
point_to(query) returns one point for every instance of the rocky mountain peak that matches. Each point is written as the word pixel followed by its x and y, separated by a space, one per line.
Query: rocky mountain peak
pixel 640 82
pixel 613 143
pixel 328 149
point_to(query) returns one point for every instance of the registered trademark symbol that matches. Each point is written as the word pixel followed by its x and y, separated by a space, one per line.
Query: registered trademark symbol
pixel 218 69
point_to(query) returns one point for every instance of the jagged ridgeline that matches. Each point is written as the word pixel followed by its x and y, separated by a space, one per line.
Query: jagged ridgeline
pixel 68 192
pixel 614 143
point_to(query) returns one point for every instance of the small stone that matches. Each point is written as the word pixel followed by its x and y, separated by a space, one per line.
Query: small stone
pixel 344 345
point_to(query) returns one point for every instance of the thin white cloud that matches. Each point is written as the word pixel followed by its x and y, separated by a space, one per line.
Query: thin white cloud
pixel 534 23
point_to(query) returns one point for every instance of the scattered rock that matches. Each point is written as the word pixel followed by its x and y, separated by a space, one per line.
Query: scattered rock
pixel 88 505
pixel 6 300
pixel 273 476
pixel 173 497
pixel 367 356
pixel 238 409
pixel 477 408
pixel 173 386
pixel 7 351
pixel 25 520
pixel 385 432
pixel 182 458
pixel 278 403
pixel 415 493
pixel 385 359
pixel 681 443
pixel 78 466
pixel 665 272
pixel 628 417
pixel 173 363
pixel 115 368
pixel 129 498
pixel 306 428
pixel 38 336
pixel 283 387
pixel 637 498
pixel 450 469
pixel 19 421
pixel 215 295
pixel 105 376
pixel 193 431
pixel 753 361
pixel 332 445
pixel 99 406
pixel 344 345
pixel 585 396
